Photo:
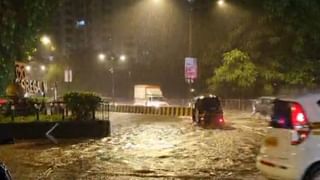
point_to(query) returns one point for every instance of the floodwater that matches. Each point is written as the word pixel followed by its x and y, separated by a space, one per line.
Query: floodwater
pixel 145 147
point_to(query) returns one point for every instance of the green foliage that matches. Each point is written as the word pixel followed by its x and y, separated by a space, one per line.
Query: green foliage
pixel 82 104
pixel 237 71
pixel 31 118
pixel 283 40
pixel 6 74
pixel 21 24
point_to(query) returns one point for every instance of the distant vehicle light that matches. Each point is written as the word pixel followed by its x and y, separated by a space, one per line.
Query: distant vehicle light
pixel 3 101
pixel 81 23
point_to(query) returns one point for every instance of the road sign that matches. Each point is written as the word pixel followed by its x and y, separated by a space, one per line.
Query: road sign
pixel 190 68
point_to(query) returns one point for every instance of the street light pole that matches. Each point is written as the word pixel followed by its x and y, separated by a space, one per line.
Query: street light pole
pixel 190 27
pixel 190 43
pixel 112 63
pixel 112 83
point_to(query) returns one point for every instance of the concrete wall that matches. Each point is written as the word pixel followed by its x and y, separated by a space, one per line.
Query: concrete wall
pixel 67 129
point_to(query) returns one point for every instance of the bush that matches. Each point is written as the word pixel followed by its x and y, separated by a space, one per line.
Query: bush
pixel 82 104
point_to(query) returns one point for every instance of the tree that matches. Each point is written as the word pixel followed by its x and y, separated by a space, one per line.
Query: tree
pixel 237 74
pixel 297 25
pixel 21 24
pixel 282 38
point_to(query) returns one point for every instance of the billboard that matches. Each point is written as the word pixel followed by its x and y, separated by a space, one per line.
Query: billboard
pixel 68 75
pixel 190 68
pixel 30 87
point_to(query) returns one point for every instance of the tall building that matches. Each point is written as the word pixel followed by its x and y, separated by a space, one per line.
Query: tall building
pixel 83 24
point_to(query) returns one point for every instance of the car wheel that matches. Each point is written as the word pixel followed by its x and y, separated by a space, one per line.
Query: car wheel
pixel 313 173
pixel 193 116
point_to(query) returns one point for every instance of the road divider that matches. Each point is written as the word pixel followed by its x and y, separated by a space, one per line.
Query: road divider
pixel 164 111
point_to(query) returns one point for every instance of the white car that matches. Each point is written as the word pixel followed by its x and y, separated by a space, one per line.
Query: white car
pixel 291 149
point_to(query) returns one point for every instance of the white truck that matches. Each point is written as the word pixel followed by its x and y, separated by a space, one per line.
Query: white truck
pixel 149 95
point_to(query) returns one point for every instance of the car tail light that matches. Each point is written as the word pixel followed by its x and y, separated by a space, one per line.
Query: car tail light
pixel 220 120
pixel 300 124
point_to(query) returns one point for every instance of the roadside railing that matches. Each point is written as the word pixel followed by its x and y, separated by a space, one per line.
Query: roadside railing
pixel 186 110
pixel 103 111
pixel 51 111
pixel 237 104
pixel 57 111
pixel 229 104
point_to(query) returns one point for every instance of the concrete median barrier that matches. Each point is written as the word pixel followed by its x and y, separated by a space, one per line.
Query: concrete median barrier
pixel 163 111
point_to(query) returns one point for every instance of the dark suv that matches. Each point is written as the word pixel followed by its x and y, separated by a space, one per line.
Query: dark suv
pixel 207 111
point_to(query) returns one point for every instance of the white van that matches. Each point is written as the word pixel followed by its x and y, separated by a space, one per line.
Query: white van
pixel 291 149
pixel 149 95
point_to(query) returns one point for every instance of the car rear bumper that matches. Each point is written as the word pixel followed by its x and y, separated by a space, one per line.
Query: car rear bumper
pixel 274 170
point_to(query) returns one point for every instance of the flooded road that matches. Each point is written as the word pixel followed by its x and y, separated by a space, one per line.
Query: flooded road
pixel 145 147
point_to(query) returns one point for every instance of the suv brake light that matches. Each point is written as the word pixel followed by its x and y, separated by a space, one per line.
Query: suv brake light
pixel 221 120
pixel 300 124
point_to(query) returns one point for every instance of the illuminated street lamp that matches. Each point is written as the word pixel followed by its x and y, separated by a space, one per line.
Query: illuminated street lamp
pixel 52 48
pixel 43 67
pixel 101 57
pixel 157 1
pixel 45 40
pixel 221 2
pixel 28 68
pixel 123 58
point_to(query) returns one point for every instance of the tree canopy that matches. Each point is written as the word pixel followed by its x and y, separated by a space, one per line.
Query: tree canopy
pixel 281 37
pixel 237 74
pixel 21 24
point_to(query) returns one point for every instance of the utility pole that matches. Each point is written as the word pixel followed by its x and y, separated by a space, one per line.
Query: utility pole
pixel 190 45
pixel 190 39
pixel 112 61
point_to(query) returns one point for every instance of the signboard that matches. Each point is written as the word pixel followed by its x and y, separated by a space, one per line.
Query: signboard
pixel 190 68
pixel 30 87
pixel 68 75
pixel 20 71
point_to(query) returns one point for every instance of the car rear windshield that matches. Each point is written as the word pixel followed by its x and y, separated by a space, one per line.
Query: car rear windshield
pixel 209 104
pixel 281 116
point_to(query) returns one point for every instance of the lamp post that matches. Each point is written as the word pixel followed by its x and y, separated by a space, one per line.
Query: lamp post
pixel 43 68
pixel 190 27
pixel 190 80
pixel 221 2
pixel 101 57
pixel 111 70
pixel 112 59
pixel 45 40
